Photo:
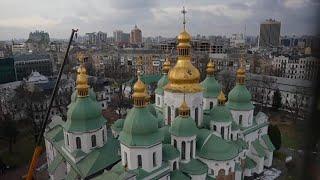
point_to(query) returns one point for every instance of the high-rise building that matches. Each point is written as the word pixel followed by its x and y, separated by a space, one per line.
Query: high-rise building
pixel 120 37
pixel 270 33
pixel 136 36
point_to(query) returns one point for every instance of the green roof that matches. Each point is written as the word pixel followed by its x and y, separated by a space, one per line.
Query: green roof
pixel 72 174
pixel 152 110
pixel 78 153
pixel 194 167
pixel 239 98
pixel 55 163
pixel 259 148
pixel 249 163
pixel 166 135
pixel 169 152
pixel 84 115
pixel 241 144
pixel 150 78
pixel 268 142
pixel 253 128
pixel 234 126
pixel 178 175
pixel 202 135
pixel 211 87
pixel 216 148
pixel 161 83
pixel 142 174
pixel 183 127
pixel 54 134
pixel 140 128
pixel 118 125
pixel 221 113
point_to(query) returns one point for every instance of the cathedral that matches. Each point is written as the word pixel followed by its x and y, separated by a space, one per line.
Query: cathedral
pixel 192 131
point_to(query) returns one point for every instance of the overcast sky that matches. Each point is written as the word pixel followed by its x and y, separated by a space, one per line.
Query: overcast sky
pixel 154 17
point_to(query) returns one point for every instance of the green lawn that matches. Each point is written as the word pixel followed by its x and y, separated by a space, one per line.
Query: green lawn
pixel 22 151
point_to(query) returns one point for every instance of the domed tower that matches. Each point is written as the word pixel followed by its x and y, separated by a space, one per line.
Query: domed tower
pixel 161 83
pixel 140 138
pixel 221 118
pixel 239 100
pixel 183 79
pixel 85 128
pixel 211 87
pixel 183 133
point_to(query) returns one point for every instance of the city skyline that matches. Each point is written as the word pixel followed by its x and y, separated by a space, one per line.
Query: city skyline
pixel 155 17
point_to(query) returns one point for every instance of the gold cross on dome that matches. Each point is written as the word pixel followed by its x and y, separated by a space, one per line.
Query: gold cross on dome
pixel 184 17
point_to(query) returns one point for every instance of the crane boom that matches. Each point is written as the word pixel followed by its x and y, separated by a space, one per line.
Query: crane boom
pixel 38 149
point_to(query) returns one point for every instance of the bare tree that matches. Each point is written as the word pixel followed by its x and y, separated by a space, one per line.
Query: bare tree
pixel 227 80
pixel 295 105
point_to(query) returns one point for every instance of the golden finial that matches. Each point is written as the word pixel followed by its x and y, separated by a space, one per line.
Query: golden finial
pixel 221 98
pixel 241 73
pixel 139 92
pixel 166 66
pixel 210 67
pixel 184 109
pixel 82 78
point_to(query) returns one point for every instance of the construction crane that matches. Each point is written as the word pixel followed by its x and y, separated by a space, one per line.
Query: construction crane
pixel 38 149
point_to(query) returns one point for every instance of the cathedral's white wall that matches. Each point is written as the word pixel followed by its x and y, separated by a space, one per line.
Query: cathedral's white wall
pixel 247 117
pixel 259 161
pixel 86 143
pixel 207 101
pixel 216 166
pixel 174 101
pixel 131 157
pixel 187 141
pixel 60 172
pixel 171 162
pixel 218 126
pixel 198 177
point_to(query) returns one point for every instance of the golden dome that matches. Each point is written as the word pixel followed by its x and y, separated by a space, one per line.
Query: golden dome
pixel 210 67
pixel 82 81
pixel 184 77
pixel 166 66
pixel 221 98
pixel 241 73
pixel 139 93
pixel 184 109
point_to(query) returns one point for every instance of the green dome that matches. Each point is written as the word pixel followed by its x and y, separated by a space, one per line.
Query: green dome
pixel 166 135
pixel 216 148
pixel 239 98
pixel 140 128
pixel 118 125
pixel 221 113
pixel 183 127
pixel 152 110
pixel 211 87
pixel 161 83
pixel 84 115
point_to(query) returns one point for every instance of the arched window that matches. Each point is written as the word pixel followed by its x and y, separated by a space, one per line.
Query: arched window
pixel 212 172
pixel 78 142
pixel 196 113
pixel 174 165
pixel 191 149
pixel 103 136
pixel 231 136
pixel 154 159
pixel 222 132
pixel 67 140
pixel 211 104
pixel 175 143
pixel 169 115
pixel 240 120
pixel 125 158
pixel 93 141
pixel 183 150
pixel 139 161
pixel 214 127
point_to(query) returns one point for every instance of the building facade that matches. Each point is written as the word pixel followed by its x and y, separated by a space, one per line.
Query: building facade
pixel 269 33
pixel 136 36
